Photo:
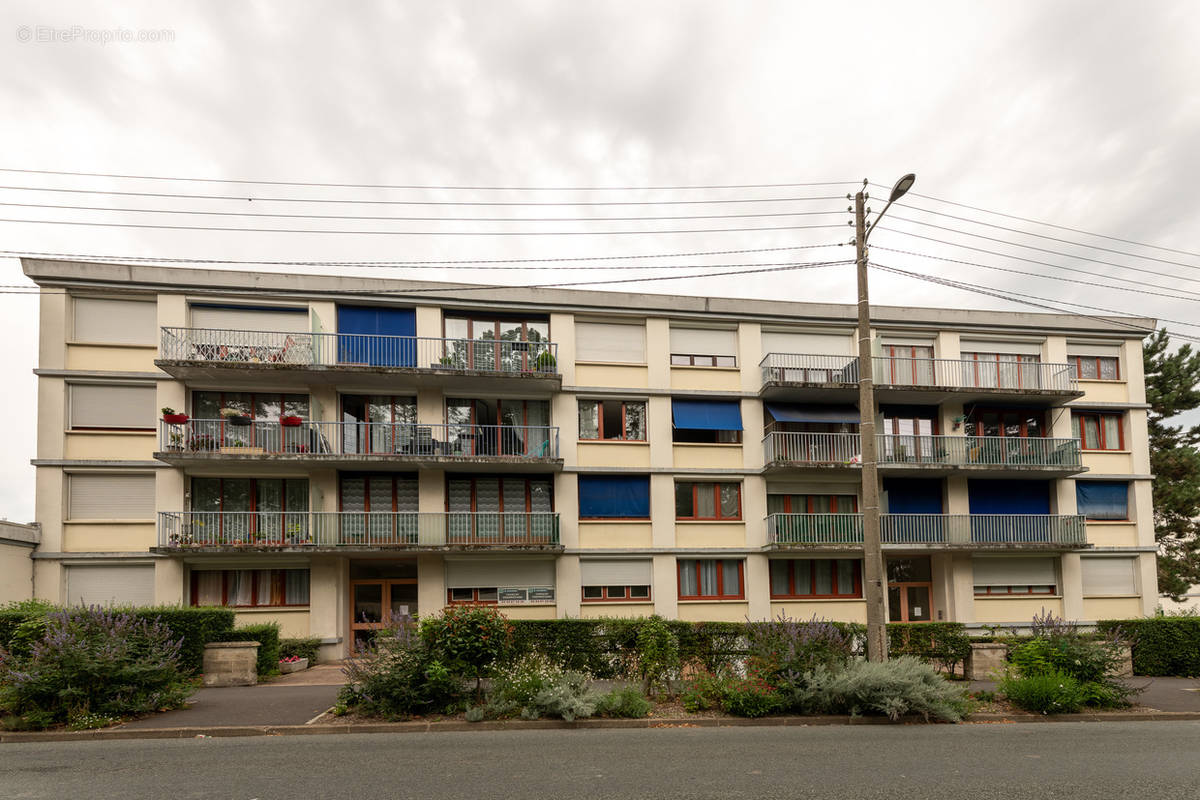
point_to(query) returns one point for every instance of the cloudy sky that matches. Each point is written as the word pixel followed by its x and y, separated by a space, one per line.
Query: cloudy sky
pixel 1081 114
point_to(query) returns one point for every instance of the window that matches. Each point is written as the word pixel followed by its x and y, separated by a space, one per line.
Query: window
pixel 710 579
pixel 491 494
pixel 812 504
pixel 1102 499
pixel 596 594
pixel 1109 576
pixel 615 579
pixel 109 585
pixel 715 501
pixel 816 577
pixel 381 493
pixel 613 420
pixel 486 580
pixel 462 595
pixel 111 406
pixel 908 365
pixel 381 424
pixel 614 496
pixel 610 342
pixel 706 421
pixel 259 406
pixel 1021 423
pixel 1001 370
pixel 497 344
pixel 250 587
pixel 498 427
pixel 1097 430
pixel 1015 575
pixel 115 321
pixel 100 496
pixel 1096 368
pixel 703 347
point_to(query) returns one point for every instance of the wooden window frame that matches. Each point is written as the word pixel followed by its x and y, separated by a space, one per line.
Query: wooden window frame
pixel 528 509
pixel 1021 358
pixel 474 601
pixel 741 562
pixel 277 574
pixel 716 500
pixel 808 498
pixel 1100 415
pixel 812 580
pixel 500 319
pixel 605 597
pixel 624 437
pixel 1000 412
pixel 994 591
pixel 1077 362
pixel 698 359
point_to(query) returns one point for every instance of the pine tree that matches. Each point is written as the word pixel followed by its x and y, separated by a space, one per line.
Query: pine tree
pixel 1173 387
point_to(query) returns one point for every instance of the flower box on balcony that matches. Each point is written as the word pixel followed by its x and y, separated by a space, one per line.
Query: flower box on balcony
pixel 235 450
pixel 175 419
pixel 290 421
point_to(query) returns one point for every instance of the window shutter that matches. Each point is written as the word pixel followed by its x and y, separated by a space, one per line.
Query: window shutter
pixel 1102 500
pixel 100 496
pixel 250 319
pixel 614 496
pixel 1009 348
pixel 615 572
pixel 603 341
pixel 110 585
pixel 115 321
pixel 1109 576
pixel 110 405
pixel 1015 571
pixel 812 344
pixel 485 573
pixel 703 341
pixel 1093 349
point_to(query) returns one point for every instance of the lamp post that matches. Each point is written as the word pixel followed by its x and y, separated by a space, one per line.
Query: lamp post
pixel 874 573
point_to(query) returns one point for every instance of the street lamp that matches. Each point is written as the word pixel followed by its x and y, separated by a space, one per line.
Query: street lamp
pixel 874 573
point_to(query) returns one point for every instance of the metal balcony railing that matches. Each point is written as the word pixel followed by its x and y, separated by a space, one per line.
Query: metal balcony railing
pixel 201 529
pixel 944 373
pixel 812 448
pixel 214 345
pixel 810 369
pixel 1065 530
pixel 262 437
pixel 956 451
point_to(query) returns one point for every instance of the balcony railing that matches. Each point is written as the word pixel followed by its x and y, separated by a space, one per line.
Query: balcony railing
pixel 201 529
pixel 944 373
pixel 956 451
pixel 810 369
pixel 221 346
pixel 1066 530
pixel 254 437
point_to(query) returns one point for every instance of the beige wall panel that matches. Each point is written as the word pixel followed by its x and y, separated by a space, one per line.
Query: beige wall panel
pixel 1133 370
pixel 713 612
pixel 431 583
pixel 836 610
pixel 713 379
pixel 1014 609
pixel 710 534
pixel 169 582
pixel 529 612
pixel 293 624
pixel 1104 391
pixel 428 321
pixel 620 376
pixel 658 352
pixel 90 537
pixel 708 456
pixel 598 610
pixel 16 573
pixel 613 454
pixel 51 416
pixel 322 317
pixel 50 506
pixel 48 580
pixel 562 333
pixel 665 589
pixel 566 503
pixel 1114 534
pixel 1105 463
pixel 111 446
pixel 593 535
pixel 328 594
pixel 750 353
pixel 53 330
pixel 1097 608
pixel 111 359
pixel 566 578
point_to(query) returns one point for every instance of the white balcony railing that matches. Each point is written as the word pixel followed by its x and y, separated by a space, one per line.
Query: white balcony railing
pixel 215 345
pixel 1065 530
pixel 808 369
pixel 941 373
pixel 784 447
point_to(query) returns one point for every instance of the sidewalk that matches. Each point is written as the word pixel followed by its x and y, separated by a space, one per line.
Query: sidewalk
pixel 1160 694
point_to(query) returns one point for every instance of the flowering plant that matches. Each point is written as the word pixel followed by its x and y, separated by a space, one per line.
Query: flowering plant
pixel 229 413
pixel 290 659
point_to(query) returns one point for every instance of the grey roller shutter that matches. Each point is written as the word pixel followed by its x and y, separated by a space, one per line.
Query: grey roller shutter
pixel 487 573
pixel 110 585
pixel 115 321
pixel 110 496
pixel 111 405
pixel 251 319
pixel 614 572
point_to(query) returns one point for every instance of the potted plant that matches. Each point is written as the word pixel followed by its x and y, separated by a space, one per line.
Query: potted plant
pixel 176 442
pixel 545 361
pixel 292 664
pixel 290 421
pixel 171 418
pixel 235 417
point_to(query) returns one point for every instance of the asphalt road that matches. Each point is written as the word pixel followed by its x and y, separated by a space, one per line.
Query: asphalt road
pixel 1053 760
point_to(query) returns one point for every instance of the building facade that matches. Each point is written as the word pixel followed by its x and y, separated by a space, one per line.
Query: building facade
pixel 342 449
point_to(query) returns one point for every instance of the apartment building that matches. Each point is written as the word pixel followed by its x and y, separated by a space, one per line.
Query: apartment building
pixel 342 449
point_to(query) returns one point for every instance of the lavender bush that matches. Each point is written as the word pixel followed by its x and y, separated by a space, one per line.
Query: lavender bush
pixel 91 662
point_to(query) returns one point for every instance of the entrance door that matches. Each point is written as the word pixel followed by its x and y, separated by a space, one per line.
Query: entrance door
pixel 910 589
pixel 375 603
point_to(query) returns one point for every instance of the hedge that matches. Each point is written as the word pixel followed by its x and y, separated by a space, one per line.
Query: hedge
pixel 945 644
pixel 267 636
pixel 1161 645
pixel 307 647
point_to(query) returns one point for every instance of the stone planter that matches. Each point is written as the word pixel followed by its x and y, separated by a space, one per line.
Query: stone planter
pixel 231 663
pixel 986 658
pixel 293 666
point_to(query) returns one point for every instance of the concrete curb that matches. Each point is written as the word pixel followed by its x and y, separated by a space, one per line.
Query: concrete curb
pixel 549 724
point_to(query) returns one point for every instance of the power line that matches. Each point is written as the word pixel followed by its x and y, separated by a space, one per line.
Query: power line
pixel 417 219
pixel 1047 224
pixel 420 186
pixel 345 201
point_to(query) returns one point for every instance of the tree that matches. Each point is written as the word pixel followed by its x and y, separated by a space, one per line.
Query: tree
pixel 1173 387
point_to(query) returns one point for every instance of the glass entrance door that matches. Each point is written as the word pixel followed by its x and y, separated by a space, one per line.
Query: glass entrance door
pixel 375 603
pixel 910 589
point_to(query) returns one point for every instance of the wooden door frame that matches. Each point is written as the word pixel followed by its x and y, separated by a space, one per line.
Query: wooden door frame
pixel 904 600
pixel 385 603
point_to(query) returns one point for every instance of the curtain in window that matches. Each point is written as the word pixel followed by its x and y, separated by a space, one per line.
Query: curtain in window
pixel 802 574
pixel 208 588
pixel 779 577
pixel 1100 500
pixel 240 587
pixel 845 577
pixel 708 578
pixel 731 584
pixel 589 419
pixel 296 587
pixel 687 578
pixel 635 421
pixel 1112 431
pixel 729 500
pixel 610 496
pixel 824 575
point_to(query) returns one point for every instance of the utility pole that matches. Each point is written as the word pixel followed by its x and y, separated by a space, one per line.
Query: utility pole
pixel 873 569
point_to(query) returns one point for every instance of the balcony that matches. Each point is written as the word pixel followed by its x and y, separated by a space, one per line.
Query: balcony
pixel 926 455
pixel 361 445
pixel 796 375
pixel 238 531
pixel 307 359
pixel 931 531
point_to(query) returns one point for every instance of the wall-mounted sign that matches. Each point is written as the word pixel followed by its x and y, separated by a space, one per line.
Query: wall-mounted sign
pixel 511 596
pixel 541 595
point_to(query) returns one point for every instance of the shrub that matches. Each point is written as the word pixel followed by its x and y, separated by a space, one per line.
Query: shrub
pixel 1044 693
pixel 400 677
pixel 1057 649
pixel 704 692
pixel 565 695
pixel 91 661
pixel 308 647
pixel 627 703
pixel 1161 645
pixel 267 636
pixel 468 640
pixel 751 696
pixel 533 686
pixel 658 654
pixel 893 688
pixel 943 644
pixel 783 648
pixel 196 626
pixel 518 682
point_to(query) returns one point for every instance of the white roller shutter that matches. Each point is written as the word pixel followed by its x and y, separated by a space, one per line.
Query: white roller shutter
pixel 112 405
pixel 1093 349
pixel 1109 576
pixel 486 573
pixel 115 321
pixel 810 344
pixel 603 341
pixel 906 341
pixel 1008 348
pixel 615 572
pixel 703 342
pixel 251 319
pixel 110 585
pixel 1015 571
pixel 91 496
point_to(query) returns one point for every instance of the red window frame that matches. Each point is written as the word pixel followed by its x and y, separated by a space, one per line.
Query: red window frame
pixel 973 418
pixel 716 491
pixel 1077 362
pixel 1100 415
pixel 386 477
pixel 702 360
pixel 277 576
pixel 812 579
pixel 720 595
pixel 607 597
pixel 1022 358
pixel 528 509
pixel 808 498
pixel 474 601
pixel 497 323
pixel 624 437
pixel 1017 589
pixel 895 353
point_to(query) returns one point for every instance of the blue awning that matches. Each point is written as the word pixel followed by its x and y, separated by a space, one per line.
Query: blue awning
pixel 793 412
pixel 707 415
